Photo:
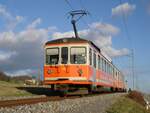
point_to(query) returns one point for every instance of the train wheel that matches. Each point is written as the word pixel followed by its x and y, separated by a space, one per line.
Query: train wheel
pixel 64 90
pixel 90 89
pixel 64 93
pixel 53 87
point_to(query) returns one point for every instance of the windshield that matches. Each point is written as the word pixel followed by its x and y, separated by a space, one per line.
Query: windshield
pixel 52 56
pixel 78 55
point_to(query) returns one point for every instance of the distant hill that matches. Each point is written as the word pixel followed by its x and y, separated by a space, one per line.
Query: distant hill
pixel 21 78
pixel 5 77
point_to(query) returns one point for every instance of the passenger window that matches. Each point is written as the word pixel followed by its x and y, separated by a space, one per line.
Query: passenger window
pixel 90 56
pixel 102 64
pixel 99 62
pixel 64 55
pixel 108 70
pixel 94 60
pixel 113 72
pixel 105 65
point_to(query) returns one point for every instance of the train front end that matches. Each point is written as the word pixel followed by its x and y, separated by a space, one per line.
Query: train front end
pixel 66 62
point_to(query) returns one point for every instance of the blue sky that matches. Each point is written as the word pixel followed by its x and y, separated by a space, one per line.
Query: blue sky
pixel 26 25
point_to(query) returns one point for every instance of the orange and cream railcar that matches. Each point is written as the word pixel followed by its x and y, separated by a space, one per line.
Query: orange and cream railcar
pixel 78 62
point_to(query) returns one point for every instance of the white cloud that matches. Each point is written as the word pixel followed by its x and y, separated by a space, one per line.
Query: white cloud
pixel 21 72
pixel 22 50
pixel 101 35
pixel 114 52
pixel 57 35
pixel 105 28
pixel 124 8
pixel 34 23
pixel 5 56
pixel 4 12
pixel 12 20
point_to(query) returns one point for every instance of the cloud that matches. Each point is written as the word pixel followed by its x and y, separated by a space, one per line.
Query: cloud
pixel 101 34
pixel 12 21
pixel 22 50
pixel 124 8
pixel 115 53
pixel 34 23
pixel 5 56
pixel 4 12
pixel 21 72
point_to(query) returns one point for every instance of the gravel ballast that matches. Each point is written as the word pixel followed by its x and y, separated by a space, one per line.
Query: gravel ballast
pixel 93 104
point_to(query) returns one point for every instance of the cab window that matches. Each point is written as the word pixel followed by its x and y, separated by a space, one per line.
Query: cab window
pixel 78 55
pixel 52 56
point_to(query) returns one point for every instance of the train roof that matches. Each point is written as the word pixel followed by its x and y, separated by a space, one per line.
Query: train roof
pixel 72 40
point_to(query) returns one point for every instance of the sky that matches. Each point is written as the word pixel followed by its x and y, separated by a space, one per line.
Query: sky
pixel 116 26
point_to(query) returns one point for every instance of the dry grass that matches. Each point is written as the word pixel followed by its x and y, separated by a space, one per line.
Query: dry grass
pixel 126 105
pixel 132 103
pixel 137 96
pixel 9 89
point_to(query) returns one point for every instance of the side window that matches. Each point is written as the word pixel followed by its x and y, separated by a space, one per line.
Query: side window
pixel 99 62
pixel 94 59
pixel 116 75
pixel 102 64
pixel 109 71
pixel 90 56
pixel 64 55
pixel 113 72
pixel 105 65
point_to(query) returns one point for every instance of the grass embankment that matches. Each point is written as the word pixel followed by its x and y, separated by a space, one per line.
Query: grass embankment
pixel 132 103
pixel 10 89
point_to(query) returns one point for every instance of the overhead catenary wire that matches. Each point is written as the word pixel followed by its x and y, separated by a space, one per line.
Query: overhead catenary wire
pixel 125 24
pixel 82 8
pixel 68 3
pixel 131 54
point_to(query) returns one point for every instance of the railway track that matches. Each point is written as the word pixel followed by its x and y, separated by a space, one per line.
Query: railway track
pixel 28 101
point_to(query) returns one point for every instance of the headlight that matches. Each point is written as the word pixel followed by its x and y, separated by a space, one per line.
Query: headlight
pixel 49 71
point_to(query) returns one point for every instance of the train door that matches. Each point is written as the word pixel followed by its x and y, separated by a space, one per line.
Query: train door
pixel 92 62
pixel 92 70
pixel 94 65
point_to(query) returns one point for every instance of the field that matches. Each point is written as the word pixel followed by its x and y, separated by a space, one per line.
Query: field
pixel 129 104
pixel 10 89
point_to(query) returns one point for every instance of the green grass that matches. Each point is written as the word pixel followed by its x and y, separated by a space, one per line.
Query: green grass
pixel 126 105
pixel 9 89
